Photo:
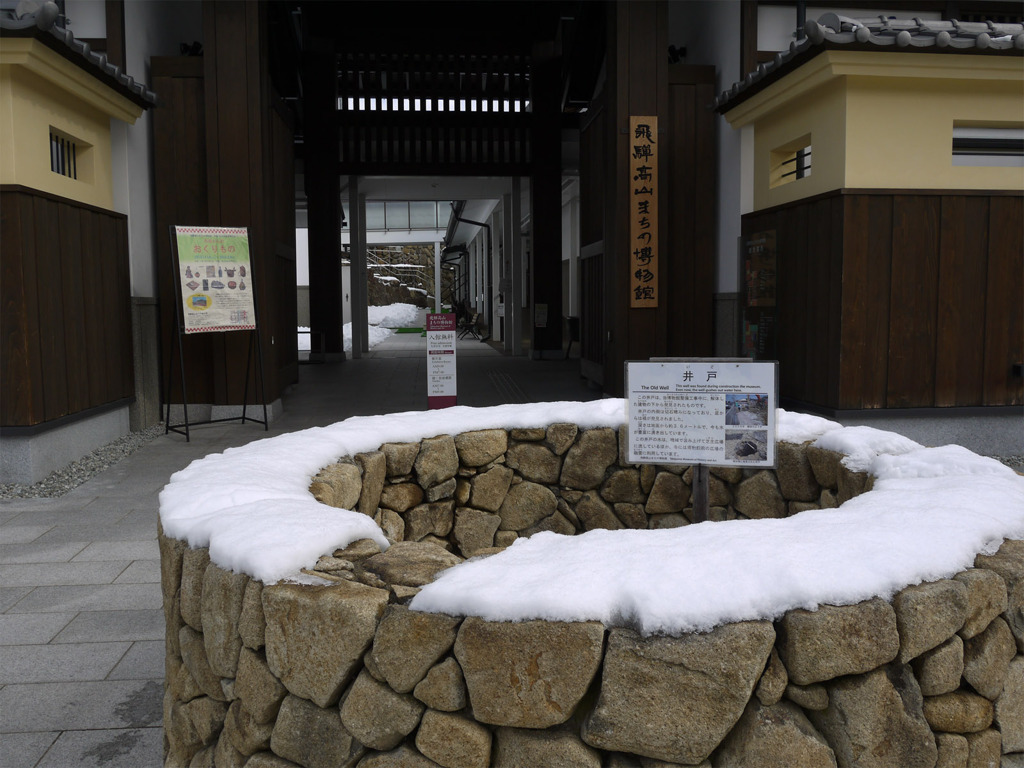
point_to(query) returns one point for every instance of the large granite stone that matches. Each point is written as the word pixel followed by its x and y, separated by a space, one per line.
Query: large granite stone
pixel 773 682
pixel 594 512
pixel 825 465
pixel 1008 562
pixel 529 674
pixel 257 688
pixel 401 496
pixel 779 736
pixel 876 720
pixel 408 643
pixel 433 519
pixel 526 504
pixel 796 478
pixel 400 457
pixel 987 657
pixel 623 485
pixel 758 497
pixel 443 688
pixel 221 608
pixel 535 462
pixel 675 699
pixel 246 735
pixel 984 749
pixel 437 460
pixel 550 748
pixel 403 757
pixel 953 750
pixel 939 670
pixel 411 563
pixel 986 599
pixel 488 489
pixel 668 494
pixel 454 741
pixel 338 485
pixel 928 614
pixel 317 635
pixel 313 737
pixel 481 447
pixel 1009 707
pixel 193 569
pixel 560 437
pixel 192 726
pixel 958 712
pixel 193 656
pixel 377 716
pixel 252 625
pixel 837 640
pixel 375 472
pixel 474 530
pixel 587 460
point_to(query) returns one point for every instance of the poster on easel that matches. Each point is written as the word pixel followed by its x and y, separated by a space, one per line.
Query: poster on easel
pixel 215 277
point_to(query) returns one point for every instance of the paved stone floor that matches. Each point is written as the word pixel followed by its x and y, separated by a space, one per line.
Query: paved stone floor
pixel 81 626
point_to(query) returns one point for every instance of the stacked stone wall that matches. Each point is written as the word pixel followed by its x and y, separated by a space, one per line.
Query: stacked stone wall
pixel 342 673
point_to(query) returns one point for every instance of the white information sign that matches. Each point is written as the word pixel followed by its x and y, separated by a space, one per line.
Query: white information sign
pixel 441 382
pixel 702 411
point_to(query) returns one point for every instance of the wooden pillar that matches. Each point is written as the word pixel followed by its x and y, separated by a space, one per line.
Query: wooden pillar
pixel 323 195
pixel 638 86
pixel 546 205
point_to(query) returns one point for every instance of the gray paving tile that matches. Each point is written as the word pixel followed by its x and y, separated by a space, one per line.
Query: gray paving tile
pixel 79 706
pixel 140 572
pixel 117 748
pixel 109 597
pixel 120 550
pixel 9 596
pixel 121 531
pixel 24 750
pixel 73 516
pixel 49 574
pixel 143 661
pixel 22 534
pixel 98 626
pixel 55 663
pixel 42 553
pixel 29 628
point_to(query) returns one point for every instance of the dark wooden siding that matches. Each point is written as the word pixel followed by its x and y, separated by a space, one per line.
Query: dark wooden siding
pixel 223 146
pixel 899 300
pixel 66 345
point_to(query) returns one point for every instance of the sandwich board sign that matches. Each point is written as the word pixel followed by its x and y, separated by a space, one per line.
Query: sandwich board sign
pixel 215 278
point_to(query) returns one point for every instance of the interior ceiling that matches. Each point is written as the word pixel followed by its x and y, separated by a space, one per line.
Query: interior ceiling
pixel 572 30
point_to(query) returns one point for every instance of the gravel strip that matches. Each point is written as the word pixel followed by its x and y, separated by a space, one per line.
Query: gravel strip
pixel 65 479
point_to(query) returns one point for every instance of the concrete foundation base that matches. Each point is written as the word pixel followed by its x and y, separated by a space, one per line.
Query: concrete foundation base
pixel 30 458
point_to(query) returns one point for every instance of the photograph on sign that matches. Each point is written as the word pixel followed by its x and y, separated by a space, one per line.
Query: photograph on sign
pixel 215 277
pixel 701 411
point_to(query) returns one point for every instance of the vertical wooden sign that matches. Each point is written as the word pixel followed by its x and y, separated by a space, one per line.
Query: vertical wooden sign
pixel 643 211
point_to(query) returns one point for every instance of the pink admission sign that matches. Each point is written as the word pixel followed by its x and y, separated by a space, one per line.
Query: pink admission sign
pixel 441 385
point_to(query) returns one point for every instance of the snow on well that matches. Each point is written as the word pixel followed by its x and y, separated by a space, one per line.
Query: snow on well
pixel 930 512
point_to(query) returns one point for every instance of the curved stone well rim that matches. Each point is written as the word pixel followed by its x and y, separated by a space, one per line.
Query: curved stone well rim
pixel 284 504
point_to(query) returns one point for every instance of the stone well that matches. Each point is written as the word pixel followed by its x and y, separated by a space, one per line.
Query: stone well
pixel 331 667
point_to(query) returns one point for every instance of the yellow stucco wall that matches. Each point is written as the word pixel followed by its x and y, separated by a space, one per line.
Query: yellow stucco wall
pixel 40 90
pixel 883 121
